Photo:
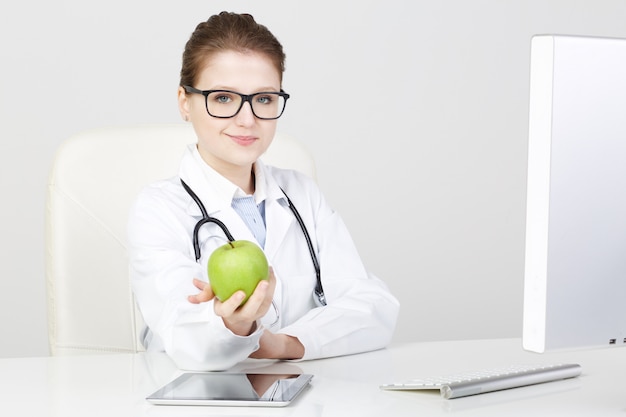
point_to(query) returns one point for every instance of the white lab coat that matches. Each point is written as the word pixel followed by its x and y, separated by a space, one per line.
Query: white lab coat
pixel 361 313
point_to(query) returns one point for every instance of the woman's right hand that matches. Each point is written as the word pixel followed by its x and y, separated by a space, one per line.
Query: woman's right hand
pixel 242 319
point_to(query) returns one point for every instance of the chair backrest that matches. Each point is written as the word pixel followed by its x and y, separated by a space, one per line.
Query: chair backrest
pixel 95 177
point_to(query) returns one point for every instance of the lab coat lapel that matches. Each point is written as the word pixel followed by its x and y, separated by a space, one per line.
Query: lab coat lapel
pixel 191 172
pixel 278 218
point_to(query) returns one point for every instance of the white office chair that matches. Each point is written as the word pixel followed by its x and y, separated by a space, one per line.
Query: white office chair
pixel 95 177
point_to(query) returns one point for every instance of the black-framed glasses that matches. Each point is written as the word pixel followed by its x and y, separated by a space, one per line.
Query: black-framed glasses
pixel 225 104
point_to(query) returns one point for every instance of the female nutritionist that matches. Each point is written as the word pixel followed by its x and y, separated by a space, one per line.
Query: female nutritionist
pixel 319 300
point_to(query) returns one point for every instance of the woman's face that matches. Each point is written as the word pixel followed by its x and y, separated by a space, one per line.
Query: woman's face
pixel 229 145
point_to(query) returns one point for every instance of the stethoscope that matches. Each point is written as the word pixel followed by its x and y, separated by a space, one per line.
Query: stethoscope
pixel 320 298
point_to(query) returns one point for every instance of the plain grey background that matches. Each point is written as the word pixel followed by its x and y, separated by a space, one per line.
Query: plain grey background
pixel 416 113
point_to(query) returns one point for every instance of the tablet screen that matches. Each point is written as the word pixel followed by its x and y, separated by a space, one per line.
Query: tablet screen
pixel 231 389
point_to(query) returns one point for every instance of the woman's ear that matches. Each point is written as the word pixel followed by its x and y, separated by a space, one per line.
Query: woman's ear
pixel 183 104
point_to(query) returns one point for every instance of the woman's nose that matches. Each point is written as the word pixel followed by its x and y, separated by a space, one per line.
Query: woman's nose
pixel 245 117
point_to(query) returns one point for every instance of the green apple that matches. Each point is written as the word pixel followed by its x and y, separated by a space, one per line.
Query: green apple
pixel 237 265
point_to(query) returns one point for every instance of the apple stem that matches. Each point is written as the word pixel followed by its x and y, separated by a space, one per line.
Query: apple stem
pixel 231 244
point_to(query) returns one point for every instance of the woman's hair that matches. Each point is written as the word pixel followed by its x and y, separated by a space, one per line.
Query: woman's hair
pixel 228 32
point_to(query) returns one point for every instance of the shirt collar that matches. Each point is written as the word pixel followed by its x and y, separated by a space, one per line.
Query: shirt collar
pixel 260 182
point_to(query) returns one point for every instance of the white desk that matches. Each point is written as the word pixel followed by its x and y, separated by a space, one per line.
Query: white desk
pixel 116 385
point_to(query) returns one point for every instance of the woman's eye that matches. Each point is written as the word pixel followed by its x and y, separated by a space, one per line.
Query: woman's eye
pixel 223 99
pixel 264 99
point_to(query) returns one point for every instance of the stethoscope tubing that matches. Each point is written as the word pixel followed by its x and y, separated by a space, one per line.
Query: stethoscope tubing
pixel 205 219
pixel 319 291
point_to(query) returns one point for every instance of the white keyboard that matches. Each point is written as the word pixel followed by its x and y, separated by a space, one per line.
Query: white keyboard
pixel 479 382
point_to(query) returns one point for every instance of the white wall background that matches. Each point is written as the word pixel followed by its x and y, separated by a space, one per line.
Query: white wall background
pixel 417 109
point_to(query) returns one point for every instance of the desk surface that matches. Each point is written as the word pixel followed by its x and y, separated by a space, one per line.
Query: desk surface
pixel 116 385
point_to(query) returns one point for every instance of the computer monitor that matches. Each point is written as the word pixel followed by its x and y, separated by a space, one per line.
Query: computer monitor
pixel 575 259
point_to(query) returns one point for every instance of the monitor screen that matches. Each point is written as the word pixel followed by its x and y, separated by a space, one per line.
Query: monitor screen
pixel 575 259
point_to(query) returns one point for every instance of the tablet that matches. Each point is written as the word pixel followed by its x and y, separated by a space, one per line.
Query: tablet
pixel 231 389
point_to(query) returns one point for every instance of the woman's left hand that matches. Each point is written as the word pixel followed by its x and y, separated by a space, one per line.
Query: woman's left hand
pixel 278 346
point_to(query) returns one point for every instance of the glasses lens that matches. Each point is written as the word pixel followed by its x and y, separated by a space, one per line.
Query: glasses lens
pixel 223 104
pixel 268 105
pixel 228 104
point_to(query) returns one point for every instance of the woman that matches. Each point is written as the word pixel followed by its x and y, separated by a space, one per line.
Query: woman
pixel 231 92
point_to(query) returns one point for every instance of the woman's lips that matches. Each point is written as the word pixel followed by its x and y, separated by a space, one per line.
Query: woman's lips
pixel 243 140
